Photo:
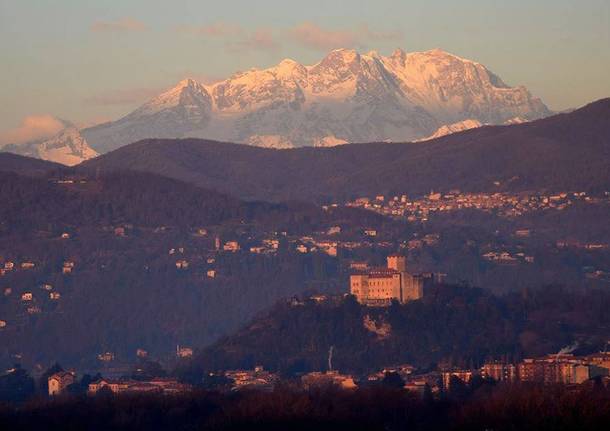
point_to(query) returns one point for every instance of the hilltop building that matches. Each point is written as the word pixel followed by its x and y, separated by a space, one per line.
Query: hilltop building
pixel 380 286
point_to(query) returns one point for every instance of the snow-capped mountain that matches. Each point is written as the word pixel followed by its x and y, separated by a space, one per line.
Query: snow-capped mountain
pixel 180 111
pixel 67 147
pixel 448 129
pixel 346 97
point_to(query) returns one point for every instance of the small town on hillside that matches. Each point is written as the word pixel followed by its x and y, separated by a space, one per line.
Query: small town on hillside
pixel 504 204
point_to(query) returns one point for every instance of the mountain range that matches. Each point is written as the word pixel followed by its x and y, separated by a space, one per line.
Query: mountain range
pixel 347 97
pixel 563 152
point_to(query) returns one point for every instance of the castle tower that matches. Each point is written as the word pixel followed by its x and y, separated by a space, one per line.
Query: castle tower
pixel 397 263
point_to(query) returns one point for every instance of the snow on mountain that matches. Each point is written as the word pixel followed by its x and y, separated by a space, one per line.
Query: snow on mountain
pixel 328 141
pixel 448 129
pixel 346 97
pixel 68 147
pixel 178 112
pixel 516 120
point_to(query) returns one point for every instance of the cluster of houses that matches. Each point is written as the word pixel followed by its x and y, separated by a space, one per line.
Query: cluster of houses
pixel 58 384
pixel 9 266
pixel 160 385
pixel 561 369
pixel 257 378
pixel 581 245
pixel 564 369
pixel 31 301
pixel 507 257
pixel 181 352
pixel 507 205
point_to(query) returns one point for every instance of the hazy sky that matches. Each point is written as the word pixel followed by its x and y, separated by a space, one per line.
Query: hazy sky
pixel 86 61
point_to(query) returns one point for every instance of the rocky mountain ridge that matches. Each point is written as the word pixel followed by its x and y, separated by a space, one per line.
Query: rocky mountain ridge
pixel 346 97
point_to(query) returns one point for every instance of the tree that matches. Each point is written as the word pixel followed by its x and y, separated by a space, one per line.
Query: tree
pixel 393 380
pixel 16 386
pixel 147 370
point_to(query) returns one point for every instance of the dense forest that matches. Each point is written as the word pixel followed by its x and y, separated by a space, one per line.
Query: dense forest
pixel 563 152
pixel 451 326
pixel 481 405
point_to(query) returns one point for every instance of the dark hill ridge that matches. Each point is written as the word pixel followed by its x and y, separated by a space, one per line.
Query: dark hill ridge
pixel 150 200
pixel 29 166
pixel 566 151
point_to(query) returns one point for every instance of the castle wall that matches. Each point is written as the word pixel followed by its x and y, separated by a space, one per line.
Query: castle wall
pixel 381 286
pixel 412 287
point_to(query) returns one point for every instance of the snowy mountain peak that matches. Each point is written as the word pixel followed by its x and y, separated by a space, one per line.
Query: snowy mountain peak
pixel 68 147
pixel 187 93
pixel 186 86
pixel 448 129
pixel 288 62
pixel 398 53
pixel 440 53
pixel 187 82
pixel 290 69
pixel 345 97
pixel 340 57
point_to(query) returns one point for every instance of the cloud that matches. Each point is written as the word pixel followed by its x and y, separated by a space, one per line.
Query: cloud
pixel 235 37
pixel 307 34
pixel 122 25
pixel 313 36
pixel 123 97
pixel 261 39
pixel 33 127
pixel 219 29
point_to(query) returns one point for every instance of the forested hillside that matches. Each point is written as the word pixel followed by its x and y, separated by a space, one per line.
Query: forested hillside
pixel 450 326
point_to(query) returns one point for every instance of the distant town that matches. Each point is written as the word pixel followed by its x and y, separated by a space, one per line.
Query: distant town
pixel 502 204
pixel 555 369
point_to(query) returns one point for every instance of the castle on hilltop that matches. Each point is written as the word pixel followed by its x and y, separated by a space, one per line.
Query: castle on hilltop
pixel 380 286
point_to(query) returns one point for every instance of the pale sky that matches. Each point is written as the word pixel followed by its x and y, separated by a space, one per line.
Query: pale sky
pixel 87 61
